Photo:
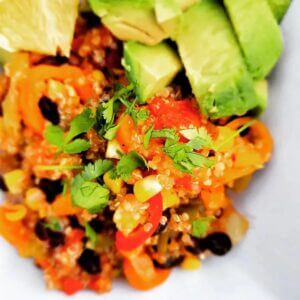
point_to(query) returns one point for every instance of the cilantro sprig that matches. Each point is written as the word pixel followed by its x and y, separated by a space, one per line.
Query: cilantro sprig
pixel 107 111
pixel 86 192
pixel 91 235
pixel 68 143
pixel 127 164
pixel 183 154
pixel 201 226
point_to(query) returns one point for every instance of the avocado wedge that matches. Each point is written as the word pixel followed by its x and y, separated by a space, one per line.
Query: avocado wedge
pixel 279 8
pixel 39 26
pixel 150 68
pixel 214 63
pixel 130 19
pixel 258 34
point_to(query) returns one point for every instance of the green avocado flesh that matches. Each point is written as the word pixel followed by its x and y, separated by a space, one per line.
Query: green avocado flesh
pixel 279 8
pixel 213 62
pixel 150 68
pixel 261 88
pixel 130 19
pixel 258 34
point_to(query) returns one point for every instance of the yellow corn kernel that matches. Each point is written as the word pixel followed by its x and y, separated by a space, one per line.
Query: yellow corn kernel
pixel 170 199
pixel 15 181
pixel 98 76
pixel 115 185
pixel 146 188
pixel 35 198
pixel 191 263
pixel 15 212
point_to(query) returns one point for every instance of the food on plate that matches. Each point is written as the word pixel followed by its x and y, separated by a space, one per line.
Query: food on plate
pixel 118 147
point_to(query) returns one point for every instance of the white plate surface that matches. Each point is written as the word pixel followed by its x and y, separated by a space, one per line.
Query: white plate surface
pixel 266 265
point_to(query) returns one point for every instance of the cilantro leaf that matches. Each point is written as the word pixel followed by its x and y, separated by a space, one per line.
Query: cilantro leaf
pixel 91 234
pixel 200 160
pixel 111 132
pixel 147 137
pixel 165 133
pixel 199 137
pixel 89 195
pixel 81 124
pixel 201 226
pixel 54 135
pixel 53 224
pixel 128 163
pixel 77 146
pixel 96 169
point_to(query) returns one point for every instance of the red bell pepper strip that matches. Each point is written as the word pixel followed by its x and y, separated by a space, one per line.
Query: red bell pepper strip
pixel 139 235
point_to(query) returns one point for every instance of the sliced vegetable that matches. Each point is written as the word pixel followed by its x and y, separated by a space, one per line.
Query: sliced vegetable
pixel 146 188
pixel 140 235
pixel 141 273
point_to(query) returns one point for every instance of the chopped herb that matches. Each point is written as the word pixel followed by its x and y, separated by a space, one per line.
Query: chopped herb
pixel 89 195
pixel 96 169
pixel 81 124
pixel 111 132
pixel 53 224
pixel 165 133
pixel 127 164
pixel 201 226
pixel 65 187
pixel 199 137
pixel 77 146
pixel 91 234
pixel 54 135
pixel 147 137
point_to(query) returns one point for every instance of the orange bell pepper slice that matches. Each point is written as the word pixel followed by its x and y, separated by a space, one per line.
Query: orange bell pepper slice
pixel 126 132
pixel 141 273
pixel 32 88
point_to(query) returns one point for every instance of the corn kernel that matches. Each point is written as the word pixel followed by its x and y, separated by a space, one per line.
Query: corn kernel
pixel 35 198
pixel 191 263
pixel 170 199
pixel 98 76
pixel 15 181
pixel 15 213
pixel 115 185
pixel 146 188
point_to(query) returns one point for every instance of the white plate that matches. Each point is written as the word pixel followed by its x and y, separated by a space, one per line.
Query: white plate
pixel 266 264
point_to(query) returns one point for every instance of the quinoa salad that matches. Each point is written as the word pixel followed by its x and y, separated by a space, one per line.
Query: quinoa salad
pixel 113 163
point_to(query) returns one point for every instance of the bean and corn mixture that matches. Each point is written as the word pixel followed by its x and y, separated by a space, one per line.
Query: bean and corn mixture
pixel 97 187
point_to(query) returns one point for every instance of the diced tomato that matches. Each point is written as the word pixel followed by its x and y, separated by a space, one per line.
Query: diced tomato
pixel 185 182
pixel 141 273
pixel 139 235
pixel 174 114
pixel 71 286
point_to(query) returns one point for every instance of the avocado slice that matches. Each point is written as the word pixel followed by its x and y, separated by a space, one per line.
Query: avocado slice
pixel 279 8
pixel 150 68
pixel 258 33
pixel 168 13
pixel 130 19
pixel 214 63
pixel 261 88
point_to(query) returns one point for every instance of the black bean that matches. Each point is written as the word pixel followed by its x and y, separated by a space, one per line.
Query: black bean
pixel 51 188
pixel 3 186
pixel 218 243
pixel 171 262
pixel 89 261
pixel 49 110
pixel 245 132
pixel 41 231
pixel 91 19
pixel 200 245
pixel 74 223
pixel 182 81
pixel 97 225
pixel 56 238
pixel 162 227
pixel 53 60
